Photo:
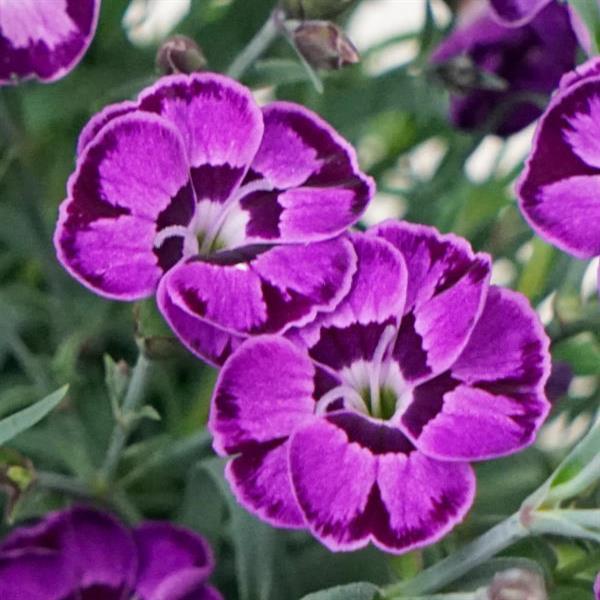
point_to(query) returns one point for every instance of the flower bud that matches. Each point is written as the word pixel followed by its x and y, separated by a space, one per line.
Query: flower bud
pixel 517 584
pixel 324 45
pixel 180 54
pixel 315 9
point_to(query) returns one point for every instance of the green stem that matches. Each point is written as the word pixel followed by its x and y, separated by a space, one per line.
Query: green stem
pixel 57 482
pixel 257 46
pixel 123 426
pixel 457 564
pixel 175 452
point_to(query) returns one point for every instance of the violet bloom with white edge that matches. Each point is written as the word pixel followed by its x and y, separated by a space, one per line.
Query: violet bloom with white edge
pixel 230 212
pixel 361 425
pixel 528 60
pixel 44 39
pixel 85 554
pixel 559 191
pixel 515 13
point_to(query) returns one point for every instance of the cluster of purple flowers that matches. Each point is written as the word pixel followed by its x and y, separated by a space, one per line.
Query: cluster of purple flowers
pixel 361 371
pixel 85 554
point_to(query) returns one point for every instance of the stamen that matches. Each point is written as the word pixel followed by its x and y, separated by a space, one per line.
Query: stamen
pixel 258 185
pixel 350 395
pixel 382 346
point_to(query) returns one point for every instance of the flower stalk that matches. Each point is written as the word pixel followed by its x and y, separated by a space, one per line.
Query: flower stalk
pixel 257 46
pixel 126 418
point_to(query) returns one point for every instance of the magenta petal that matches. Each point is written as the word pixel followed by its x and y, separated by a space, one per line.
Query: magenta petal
pixel 516 13
pixel 476 424
pixel 185 585
pixel 100 120
pixel 333 480
pixel 319 189
pixel 206 341
pixel 219 122
pixel 424 499
pixel 35 575
pixel 165 551
pixel 253 402
pixel 260 480
pixel 359 481
pixel 44 39
pixel 567 214
pixel 557 191
pixel 281 287
pixel 447 286
pixel 377 293
pixel 494 403
pixel 94 547
pixel 597 587
pixel 113 193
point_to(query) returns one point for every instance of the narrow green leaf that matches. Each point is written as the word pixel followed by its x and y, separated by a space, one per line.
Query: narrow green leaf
pixel 26 418
pixel 354 591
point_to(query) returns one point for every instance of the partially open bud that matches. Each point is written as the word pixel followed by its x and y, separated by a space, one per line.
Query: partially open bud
pixel 180 54
pixel 315 9
pixel 517 584
pixel 324 45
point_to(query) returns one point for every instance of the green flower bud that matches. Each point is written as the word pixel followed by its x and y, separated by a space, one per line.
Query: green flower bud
pixel 324 45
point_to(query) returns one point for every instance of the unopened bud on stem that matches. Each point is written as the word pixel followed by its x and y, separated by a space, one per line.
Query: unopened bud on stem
pixel 315 9
pixel 324 45
pixel 517 584
pixel 180 54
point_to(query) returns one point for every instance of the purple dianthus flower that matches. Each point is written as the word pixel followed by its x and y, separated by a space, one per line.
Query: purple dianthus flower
pixel 232 214
pixel 44 39
pixel 529 60
pixel 85 554
pixel 360 426
pixel 514 13
pixel 559 191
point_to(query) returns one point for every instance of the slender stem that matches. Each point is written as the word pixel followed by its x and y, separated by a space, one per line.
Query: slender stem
pixel 29 362
pixel 257 46
pixel 457 564
pixel 176 452
pixel 57 482
pixel 123 426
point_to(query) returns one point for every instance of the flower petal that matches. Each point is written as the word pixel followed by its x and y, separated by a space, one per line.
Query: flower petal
pixel 94 547
pixel 260 480
pixel 166 551
pixel 558 186
pixel 186 585
pixel 494 402
pixel 447 286
pixel 35 575
pixel 253 402
pixel 206 341
pixel 220 123
pixel 376 297
pixel 319 188
pixel 358 481
pixel 120 190
pixel 515 13
pixel 42 39
pixel 278 288
pixel 567 214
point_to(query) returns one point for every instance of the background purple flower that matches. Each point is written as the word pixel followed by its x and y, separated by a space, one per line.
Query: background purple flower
pixel 559 191
pixel 530 60
pixel 85 554
pixel 220 211
pixel 597 587
pixel 360 425
pixel 516 12
pixel 44 39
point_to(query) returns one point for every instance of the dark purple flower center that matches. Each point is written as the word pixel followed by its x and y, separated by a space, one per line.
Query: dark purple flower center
pixel 214 226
